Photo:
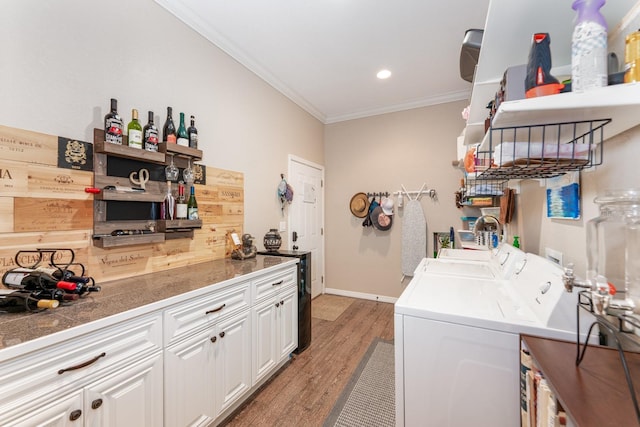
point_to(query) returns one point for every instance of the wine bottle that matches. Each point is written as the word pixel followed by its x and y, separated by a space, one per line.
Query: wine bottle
pixel 48 279
pixel 169 129
pixel 192 205
pixel 193 134
pixel 18 301
pixel 150 134
pixel 183 137
pixel 181 203
pixel 134 130
pixel 113 124
pixel 168 205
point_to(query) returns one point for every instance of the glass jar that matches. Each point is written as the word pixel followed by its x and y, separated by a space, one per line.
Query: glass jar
pixel 613 247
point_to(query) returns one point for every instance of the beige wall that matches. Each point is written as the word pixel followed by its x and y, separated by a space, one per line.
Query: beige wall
pixel 619 170
pixel 63 60
pixel 381 153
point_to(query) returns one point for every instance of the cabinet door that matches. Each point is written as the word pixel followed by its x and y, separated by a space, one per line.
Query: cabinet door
pixel 287 322
pixel 64 411
pixel 129 397
pixel 189 380
pixel 233 360
pixel 265 339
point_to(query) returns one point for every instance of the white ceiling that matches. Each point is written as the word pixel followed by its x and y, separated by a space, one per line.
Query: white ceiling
pixel 324 54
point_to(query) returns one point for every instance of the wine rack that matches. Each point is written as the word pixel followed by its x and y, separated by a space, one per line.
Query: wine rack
pixel 149 230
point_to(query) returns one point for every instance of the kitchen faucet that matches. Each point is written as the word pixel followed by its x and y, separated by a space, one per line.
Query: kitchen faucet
pixel 481 225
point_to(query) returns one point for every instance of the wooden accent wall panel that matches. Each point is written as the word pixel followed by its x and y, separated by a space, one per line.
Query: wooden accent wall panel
pixel 221 208
pixel 43 206
pixel 28 146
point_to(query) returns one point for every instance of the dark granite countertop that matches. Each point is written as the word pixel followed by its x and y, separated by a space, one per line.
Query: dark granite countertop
pixel 144 293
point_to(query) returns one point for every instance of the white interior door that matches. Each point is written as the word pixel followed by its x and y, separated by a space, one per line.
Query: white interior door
pixel 306 216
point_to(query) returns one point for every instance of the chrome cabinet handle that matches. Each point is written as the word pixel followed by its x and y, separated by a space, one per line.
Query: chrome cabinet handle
pixel 216 309
pixel 82 365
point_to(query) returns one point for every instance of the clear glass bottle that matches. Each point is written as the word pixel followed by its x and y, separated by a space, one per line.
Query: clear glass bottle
pixel 613 247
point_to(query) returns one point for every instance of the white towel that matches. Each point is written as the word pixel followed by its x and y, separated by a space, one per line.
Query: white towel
pixel 414 237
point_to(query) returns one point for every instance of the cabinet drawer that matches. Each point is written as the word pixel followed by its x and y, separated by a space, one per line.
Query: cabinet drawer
pixel 187 317
pixel 73 363
pixel 268 285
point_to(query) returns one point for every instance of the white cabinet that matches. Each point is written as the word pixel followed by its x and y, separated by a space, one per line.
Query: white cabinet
pixel 233 360
pixel 111 377
pixel 187 361
pixel 130 397
pixel 208 371
pixel 275 331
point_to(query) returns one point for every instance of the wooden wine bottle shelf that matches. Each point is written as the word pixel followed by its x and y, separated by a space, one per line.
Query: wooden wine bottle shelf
pixel 155 191
pixel 129 197
pixel 124 151
pixel 180 150
pixel 136 239
pixel 165 225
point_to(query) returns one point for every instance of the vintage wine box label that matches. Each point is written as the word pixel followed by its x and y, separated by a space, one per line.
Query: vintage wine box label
pixel 31 214
pixel 14 177
pixel 74 154
pixel 229 178
pixel 21 179
pixel 28 146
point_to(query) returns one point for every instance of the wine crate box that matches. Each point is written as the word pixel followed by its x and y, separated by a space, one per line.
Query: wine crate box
pixel 28 146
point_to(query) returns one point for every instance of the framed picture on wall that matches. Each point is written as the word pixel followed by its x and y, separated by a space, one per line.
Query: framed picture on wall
pixel 563 196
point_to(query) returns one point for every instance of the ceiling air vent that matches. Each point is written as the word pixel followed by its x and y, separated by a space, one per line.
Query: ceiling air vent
pixel 469 53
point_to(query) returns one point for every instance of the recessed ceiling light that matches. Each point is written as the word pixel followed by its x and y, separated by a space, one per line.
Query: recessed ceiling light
pixel 383 74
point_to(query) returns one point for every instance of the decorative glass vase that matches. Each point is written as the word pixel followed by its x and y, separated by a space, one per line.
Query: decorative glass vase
pixel 272 240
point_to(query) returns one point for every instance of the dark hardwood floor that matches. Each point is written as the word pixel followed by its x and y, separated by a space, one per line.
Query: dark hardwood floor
pixel 304 392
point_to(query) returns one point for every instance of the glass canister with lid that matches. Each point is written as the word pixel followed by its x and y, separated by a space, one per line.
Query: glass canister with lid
pixel 613 247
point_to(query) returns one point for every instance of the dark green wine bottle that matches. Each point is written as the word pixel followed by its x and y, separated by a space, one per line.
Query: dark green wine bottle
pixel 183 136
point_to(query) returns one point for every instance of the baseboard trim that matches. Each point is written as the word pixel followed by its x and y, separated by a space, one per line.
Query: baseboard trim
pixel 360 295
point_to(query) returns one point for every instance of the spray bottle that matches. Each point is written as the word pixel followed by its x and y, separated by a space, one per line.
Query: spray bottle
pixel 588 46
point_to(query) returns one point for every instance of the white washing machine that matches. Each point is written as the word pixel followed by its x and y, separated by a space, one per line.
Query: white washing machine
pixel 457 339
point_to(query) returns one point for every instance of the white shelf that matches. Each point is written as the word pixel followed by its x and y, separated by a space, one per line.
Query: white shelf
pixel 619 103
pixel 506 43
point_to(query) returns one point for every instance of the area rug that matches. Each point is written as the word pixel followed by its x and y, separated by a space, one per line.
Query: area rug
pixel 369 397
pixel 329 307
